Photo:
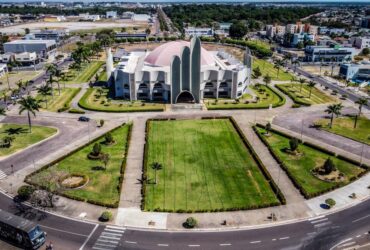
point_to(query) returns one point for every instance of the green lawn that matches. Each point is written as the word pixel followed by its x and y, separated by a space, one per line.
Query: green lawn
pixel 85 74
pixel 206 167
pixel 92 101
pixel 302 97
pixel 344 126
pixel 268 68
pixel 102 187
pixel 22 137
pixel 59 101
pixel 299 167
pixel 266 97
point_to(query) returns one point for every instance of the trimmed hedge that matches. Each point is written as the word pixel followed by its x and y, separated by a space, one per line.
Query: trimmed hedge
pixel 266 174
pixel 324 150
pixel 77 198
pixel 281 102
pixel 294 98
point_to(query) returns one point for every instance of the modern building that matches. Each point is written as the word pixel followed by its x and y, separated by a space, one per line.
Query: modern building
pixel 43 48
pixel 275 30
pixel 323 30
pixel 120 54
pixel 53 19
pixel 55 35
pixel 180 71
pixel 111 14
pixel 355 72
pixel 301 38
pixel 88 17
pixel 194 31
pixel 365 22
pixel 361 42
pixel 327 54
pixel 140 18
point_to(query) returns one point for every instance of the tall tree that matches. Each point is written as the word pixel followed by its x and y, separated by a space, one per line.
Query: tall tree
pixel 334 109
pixel 257 72
pixel 311 85
pixel 267 79
pixel 278 64
pixel 361 102
pixel 156 166
pixel 31 105
pixel 301 81
pixel 45 91
pixel 2 111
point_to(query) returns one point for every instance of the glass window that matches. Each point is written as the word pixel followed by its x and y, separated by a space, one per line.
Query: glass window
pixel 34 232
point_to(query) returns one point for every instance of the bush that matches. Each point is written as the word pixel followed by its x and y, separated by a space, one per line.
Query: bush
pixel 296 105
pixel 190 222
pixel 25 191
pixel 293 143
pixel 329 166
pixel 330 202
pixel 108 138
pixel 101 123
pixel 76 111
pixel 105 216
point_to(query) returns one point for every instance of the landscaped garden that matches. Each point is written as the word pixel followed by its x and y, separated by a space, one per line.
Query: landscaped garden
pixel 344 126
pixel 87 71
pixel 92 173
pixel 201 165
pixel 58 102
pixel 15 137
pixel 305 94
pixel 313 170
pixel 97 99
pixel 264 97
pixel 268 68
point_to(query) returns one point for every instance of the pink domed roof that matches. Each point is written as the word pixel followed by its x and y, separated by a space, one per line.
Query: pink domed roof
pixel 162 55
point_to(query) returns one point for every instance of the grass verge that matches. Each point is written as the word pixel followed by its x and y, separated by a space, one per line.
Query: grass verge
pixel 206 166
pixel 268 68
pixel 59 102
pixel 104 186
pixel 85 74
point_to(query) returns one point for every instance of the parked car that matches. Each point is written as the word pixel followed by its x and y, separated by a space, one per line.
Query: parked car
pixel 83 119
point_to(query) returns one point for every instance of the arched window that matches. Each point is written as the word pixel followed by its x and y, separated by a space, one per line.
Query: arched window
pixel 126 86
pixel 240 84
pixel 143 86
pixel 158 86
pixel 209 85
pixel 223 85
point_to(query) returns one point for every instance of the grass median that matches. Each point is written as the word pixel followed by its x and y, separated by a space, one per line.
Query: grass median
pixel 21 136
pixel 83 75
pixel 205 167
pixel 300 166
pixel 268 68
pixel 58 102
pixel 303 97
pixel 103 186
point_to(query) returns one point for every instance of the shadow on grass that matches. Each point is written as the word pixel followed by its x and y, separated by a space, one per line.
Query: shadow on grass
pixel 15 131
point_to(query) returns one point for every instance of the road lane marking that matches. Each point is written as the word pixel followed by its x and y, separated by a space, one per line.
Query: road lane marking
pixel 116 227
pixel 322 224
pixel 63 231
pixel 162 245
pixel 317 221
pixel 88 238
pixel 312 233
pixel 358 236
pixel 225 244
pixel 105 245
pixel 273 239
pixel 343 241
pixel 110 237
pixel 316 218
pixel 284 238
pixel 2 175
pixel 362 218
pixel 255 242
pixel 113 230
pixel 193 245
pixel 131 242
pixel 111 234
pixel 347 244
pixel 110 241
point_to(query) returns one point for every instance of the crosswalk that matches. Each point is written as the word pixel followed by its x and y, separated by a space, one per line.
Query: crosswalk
pixel 2 175
pixel 109 238
pixel 320 221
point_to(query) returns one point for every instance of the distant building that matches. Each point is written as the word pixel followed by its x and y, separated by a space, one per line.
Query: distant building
pixel 43 48
pixel 323 30
pixel 361 42
pixel 120 54
pixel 127 15
pixel 194 31
pixel 141 18
pixel 54 18
pixel 355 72
pixel 336 54
pixel 55 35
pixel 124 35
pixel 301 38
pixel 25 58
pixel 365 22
pixel 88 17
pixel 275 30
pixel 111 14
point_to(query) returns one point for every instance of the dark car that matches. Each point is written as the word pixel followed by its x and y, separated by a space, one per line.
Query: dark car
pixel 83 119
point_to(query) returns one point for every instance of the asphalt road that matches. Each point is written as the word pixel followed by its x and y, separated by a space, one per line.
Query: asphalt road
pixel 70 130
pixel 352 96
pixel 349 226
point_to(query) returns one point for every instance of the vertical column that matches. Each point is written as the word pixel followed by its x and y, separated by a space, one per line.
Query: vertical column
pixel 175 78
pixel 185 69
pixel 195 57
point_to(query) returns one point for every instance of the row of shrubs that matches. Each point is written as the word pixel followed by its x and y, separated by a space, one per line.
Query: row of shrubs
pixel 295 99
pixel 83 104
pixel 74 197
pixel 291 177
pixel 266 174
pixel 281 102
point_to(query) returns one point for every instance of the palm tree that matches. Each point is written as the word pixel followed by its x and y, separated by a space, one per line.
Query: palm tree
pixel 156 166
pixel 293 79
pixel 105 159
pixel 5 99
pixel 301 81
pixel 31 105
pixel 59 75
pixel 311 84
pixel 267 79
pixel 333 59
pixel 334 109
pixel 278 65
pixel 321 60
pixel 287 57
pixel 361 102
pixel 295 63
pixel 44 90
